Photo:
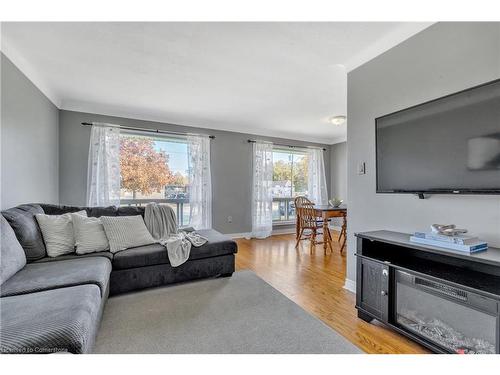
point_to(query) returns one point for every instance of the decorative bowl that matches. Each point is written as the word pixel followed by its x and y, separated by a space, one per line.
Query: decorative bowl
pixel 335 202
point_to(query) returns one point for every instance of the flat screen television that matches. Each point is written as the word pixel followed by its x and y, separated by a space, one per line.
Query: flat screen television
pixel 449 145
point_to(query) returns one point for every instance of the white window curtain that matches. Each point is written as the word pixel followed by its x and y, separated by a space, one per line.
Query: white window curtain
pixel 200 182
pixel 103 173
pixel 262 194
pixel 316 183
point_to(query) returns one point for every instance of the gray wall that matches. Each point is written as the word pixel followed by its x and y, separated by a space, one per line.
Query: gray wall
pixel 445 58
pixel 231 157
pixel 29 141
pixel 338 164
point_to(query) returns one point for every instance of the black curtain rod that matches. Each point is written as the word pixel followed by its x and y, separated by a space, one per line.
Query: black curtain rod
pixel 283 145
pixel 158 131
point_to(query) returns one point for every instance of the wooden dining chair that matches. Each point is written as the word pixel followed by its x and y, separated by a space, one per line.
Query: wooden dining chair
pixel 299 202
pixel 308 226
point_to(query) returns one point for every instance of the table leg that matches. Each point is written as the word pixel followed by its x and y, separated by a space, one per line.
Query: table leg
pixel 344 232
pixel 330 239
pixel 326 237
pixel 297 226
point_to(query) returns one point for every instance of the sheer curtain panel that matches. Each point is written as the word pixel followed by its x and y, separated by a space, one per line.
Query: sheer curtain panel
pixel 200 182
pixel 103 172
pixel 262 194
pixel 316 182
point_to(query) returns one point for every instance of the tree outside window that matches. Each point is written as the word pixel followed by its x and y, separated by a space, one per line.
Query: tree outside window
pixel 289 181
pixel 155 168
pixel 144 170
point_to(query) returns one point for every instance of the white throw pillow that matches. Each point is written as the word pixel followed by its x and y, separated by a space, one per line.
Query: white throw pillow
pixel 57 232
pixel 89 234
pixel 124 232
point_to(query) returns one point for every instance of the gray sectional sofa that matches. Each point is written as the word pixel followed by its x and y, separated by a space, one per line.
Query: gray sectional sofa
pixel 55 304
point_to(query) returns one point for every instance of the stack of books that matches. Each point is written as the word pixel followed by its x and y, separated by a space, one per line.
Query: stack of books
pixel 463 243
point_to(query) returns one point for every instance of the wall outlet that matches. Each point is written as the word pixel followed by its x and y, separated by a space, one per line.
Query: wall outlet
pixel 229 219
pixel 361 168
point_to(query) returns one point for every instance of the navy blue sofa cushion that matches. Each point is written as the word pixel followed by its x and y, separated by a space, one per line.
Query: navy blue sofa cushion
pixel 23 222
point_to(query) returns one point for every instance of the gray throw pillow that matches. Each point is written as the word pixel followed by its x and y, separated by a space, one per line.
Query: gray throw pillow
pixel 12 257
pixel 124 232
pixel 89 234
pixel 23 222
pixel 57 231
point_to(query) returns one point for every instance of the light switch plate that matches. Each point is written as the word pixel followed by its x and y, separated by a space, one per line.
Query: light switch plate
pixel 361 168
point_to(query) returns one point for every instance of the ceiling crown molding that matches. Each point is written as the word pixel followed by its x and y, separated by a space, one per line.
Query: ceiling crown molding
pixel 31 73
pixel 384 44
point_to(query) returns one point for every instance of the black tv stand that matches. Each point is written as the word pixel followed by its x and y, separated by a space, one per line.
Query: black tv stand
pixel 364 316
pixel 446 300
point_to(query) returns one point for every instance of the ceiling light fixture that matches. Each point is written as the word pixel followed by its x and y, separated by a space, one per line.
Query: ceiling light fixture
pixel 337 120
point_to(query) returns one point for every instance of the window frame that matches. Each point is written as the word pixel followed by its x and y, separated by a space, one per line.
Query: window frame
pixel 139 202
pixel 288 200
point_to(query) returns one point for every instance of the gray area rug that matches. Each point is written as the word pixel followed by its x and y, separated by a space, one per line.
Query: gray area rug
pixel 240 314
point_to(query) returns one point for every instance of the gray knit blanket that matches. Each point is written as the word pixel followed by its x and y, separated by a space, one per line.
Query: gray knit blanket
pixel 162 224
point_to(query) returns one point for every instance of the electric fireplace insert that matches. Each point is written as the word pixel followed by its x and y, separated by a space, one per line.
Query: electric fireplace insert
pixel 446 300
pixel 453 318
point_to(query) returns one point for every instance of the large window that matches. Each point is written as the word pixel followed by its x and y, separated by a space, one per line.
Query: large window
pixel 155 169
pixel 289 181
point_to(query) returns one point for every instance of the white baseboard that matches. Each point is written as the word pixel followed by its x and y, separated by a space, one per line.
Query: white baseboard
pixel 350 286
pixel 275 232
pixel 238 235
pixel 283 231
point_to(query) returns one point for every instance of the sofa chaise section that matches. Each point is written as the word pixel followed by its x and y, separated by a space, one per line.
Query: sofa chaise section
pixel 217 245
pixel 57 320
pixel 47 307
pixel 126 280
pixel 37 277
pixel 148 266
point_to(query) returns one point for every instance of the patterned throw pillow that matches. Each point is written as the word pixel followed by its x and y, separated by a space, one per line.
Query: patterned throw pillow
pixel 124 232
pixel 57 232
pixel 89 234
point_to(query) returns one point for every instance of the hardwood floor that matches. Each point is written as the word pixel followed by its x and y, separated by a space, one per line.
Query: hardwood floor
pixel 315 282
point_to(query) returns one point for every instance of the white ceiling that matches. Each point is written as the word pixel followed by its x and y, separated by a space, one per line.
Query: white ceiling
pixel 273 79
